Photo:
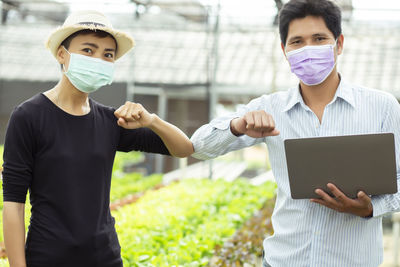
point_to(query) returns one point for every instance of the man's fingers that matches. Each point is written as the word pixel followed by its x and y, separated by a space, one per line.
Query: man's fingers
pixel 265 121
pixel 366 204
pixel 339 195
pixel 323 195
pixel 271 122
pixel 364 198
pixel 319 201
pixel 249 121
pixel 275 132
pixel 326 199
pixel 267 133
pixel 258 124
pixel 361 206
pixel 322 202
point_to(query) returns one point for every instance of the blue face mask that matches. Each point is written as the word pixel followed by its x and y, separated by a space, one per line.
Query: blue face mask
pixel 88 74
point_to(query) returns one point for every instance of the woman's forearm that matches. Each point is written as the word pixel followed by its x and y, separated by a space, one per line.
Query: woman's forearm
pixel 14 233
pixel 175 140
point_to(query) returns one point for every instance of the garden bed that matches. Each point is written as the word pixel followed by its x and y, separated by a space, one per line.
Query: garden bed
pixel 192 222
pixel 180 225
pixel 246 246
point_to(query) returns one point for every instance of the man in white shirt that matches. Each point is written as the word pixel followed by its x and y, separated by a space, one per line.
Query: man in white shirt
pixel 330 231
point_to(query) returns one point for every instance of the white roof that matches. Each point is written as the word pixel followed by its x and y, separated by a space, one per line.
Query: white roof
pixel 247 58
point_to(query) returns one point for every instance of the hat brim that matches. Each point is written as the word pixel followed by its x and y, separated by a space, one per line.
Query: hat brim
pixel 124 41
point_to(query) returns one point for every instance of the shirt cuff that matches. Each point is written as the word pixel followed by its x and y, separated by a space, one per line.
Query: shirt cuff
pixel 218 139
pixel 14 193
pixel 378 207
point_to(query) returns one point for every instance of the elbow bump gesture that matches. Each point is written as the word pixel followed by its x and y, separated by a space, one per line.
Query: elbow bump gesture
pixel 132 116
pixel 256 124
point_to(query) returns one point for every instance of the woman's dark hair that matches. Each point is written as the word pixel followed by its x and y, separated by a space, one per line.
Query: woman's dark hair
pixel 296 9
pixel 97 33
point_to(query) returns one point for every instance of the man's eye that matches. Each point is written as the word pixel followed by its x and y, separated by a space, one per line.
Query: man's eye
pixel 295 42
pixel 109 55
pixel 87 50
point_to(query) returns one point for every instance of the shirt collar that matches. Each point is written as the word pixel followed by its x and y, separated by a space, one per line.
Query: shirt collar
pixel 294 97
pixel 344 91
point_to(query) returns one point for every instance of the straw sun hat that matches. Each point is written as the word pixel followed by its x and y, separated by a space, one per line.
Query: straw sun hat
pixel 91 20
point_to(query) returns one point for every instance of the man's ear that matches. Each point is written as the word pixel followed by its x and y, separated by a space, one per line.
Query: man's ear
pixel 61 55
pixel 339 46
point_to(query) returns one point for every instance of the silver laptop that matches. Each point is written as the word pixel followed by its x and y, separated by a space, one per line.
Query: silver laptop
pixel 353 163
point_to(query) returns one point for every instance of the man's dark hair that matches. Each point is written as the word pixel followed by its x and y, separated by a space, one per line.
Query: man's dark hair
pixel 296 9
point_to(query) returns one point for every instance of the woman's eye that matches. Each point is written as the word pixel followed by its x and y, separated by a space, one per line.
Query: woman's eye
pixel 109 55
pixel 87 50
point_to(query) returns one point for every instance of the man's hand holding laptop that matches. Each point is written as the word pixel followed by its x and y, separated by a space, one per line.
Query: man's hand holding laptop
pixel 361 206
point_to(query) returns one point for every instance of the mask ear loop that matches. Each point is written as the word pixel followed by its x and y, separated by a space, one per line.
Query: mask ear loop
pixel 335 47
pixel 63 65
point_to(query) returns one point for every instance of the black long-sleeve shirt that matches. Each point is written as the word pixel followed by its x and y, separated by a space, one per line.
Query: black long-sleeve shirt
pixel 66 162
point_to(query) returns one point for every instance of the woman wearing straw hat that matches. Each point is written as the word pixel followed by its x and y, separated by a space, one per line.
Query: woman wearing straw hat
pixel 61 144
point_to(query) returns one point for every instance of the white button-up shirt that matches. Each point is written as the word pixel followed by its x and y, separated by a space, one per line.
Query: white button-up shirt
pixel 308 234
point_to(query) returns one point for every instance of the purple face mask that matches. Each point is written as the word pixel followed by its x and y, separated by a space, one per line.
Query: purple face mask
pixel 312 64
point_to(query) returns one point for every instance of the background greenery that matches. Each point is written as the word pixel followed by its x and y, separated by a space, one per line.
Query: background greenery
pixel 180 224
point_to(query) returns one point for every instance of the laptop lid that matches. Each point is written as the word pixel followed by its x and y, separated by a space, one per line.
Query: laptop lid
pixel 353 163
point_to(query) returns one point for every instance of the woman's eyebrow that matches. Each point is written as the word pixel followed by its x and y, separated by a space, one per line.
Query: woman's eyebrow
pixel 92 45
pixel 97 47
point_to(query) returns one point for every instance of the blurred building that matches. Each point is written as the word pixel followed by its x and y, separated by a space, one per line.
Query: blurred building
pixel 190 55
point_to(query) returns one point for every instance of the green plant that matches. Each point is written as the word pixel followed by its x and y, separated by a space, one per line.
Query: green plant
pixel 247 243
pixel 122 159
pixel 180 225
pixel 132 183
pixel 4 263
pixel 1 155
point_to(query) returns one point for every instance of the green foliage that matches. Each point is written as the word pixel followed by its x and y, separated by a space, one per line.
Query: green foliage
pixel 1 155
pixel 4 263
pixel 124 184
pixel 1 196
pixel 122 158
pixel 247 243
pixel 183 224
pixel 180 225
pixel 1 181
pixel 132 183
